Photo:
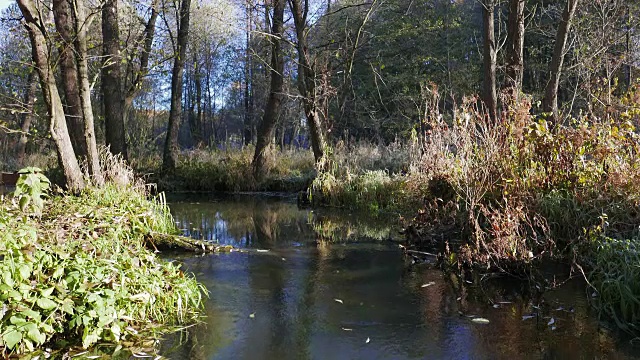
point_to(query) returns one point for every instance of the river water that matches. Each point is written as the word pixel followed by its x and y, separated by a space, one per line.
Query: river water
pixel 327 284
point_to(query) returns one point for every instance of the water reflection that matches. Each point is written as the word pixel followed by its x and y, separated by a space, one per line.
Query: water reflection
pixel 309 298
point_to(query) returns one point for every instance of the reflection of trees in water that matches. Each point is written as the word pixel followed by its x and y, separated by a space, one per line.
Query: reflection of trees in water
pixel 266 224
pixel 240 221
pixel 263 222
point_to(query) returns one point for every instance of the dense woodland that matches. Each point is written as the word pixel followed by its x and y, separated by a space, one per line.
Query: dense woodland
pixel 159 77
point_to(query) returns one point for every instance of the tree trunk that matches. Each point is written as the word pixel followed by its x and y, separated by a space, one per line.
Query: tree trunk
pixel 147 40
pixel 248 69
pixel 489 53
pixel 171 143
pixel 197 129
pixel 550 102
pixel 58 125
pixel 628 51
pixel 272 108
pixel 65 22
pixel 307 80
pixel 27 117
pixel 112 80
pixel 89 134
pixel 515 47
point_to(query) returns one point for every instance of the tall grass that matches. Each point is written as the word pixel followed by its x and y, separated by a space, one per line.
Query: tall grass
pixel 367 176
pixel 231 170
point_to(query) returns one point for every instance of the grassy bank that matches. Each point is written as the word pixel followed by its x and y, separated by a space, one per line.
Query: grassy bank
pixel 79 274
pixel 231 171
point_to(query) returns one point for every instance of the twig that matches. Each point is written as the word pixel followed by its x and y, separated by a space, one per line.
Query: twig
pixel 421 253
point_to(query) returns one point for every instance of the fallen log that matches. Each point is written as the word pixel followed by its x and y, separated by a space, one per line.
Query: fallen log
pixel 159 241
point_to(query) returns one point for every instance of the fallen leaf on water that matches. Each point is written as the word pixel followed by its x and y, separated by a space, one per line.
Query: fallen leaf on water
pixel 347 329
pixel 283 259
pixel 495 306
pixel 262 250
pixel 428 284
pixel 368 340
pixel 552 321
pixel 553 328
pixel 252 315
pixel 480 320
pixel 458 299
pixel 338 300
pixel 527 317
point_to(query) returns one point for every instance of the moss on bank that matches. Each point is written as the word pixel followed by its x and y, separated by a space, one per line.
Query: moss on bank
pixel 80 274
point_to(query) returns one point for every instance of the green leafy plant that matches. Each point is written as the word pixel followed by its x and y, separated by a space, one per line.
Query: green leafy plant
pixel 31 189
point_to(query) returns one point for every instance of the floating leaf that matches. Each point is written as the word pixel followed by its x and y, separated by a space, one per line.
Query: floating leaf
pixel 527 317
pixel 252 315
pixel 262 250
pixel 552 321
pixel 347 329
pixel 428 284
pixel 480 320
pixel 338 301
pixel 368 341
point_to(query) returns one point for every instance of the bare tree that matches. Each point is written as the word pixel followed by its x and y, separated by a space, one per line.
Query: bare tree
pixel 272 109
pixel 82 21
pixel 171 143
pixel 515 45
pixel 146 38
pixel 490 58
pixel 65 21
pixel 58 126
pixel 112 80
pixel 550 102
pixel 307 78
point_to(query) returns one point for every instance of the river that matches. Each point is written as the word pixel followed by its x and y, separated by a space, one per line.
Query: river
pixel 328 284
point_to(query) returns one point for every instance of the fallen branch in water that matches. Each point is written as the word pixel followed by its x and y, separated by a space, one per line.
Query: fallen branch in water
pixel 159 241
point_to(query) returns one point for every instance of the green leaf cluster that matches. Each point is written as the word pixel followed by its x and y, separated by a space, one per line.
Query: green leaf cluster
pixel 81 272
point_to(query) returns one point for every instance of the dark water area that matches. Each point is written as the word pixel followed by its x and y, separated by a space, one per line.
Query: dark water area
pixel 333 286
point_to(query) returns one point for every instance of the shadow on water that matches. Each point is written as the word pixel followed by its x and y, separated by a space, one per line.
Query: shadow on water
pixel 355 298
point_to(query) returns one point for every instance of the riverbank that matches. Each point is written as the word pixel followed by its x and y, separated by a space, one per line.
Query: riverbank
pixel 76 272
pixel 230 170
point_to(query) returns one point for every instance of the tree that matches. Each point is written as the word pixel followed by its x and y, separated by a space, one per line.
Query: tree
pixel 58 126
pixel 272 109
pixel 550 101
pixel 27 115
pixel 65 23
pixel 138 75
pixel 82 21
pixel 171 143
pixel 515 45
pixel 112 80
pixel 307 79
pixel 489 95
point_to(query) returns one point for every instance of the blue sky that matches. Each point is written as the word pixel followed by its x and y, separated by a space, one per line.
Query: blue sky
pixel 5 3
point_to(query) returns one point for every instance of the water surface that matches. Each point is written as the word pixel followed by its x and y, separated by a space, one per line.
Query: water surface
pixel 333 285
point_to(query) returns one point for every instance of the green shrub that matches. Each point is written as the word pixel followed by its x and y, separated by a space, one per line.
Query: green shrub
pixel 81 272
